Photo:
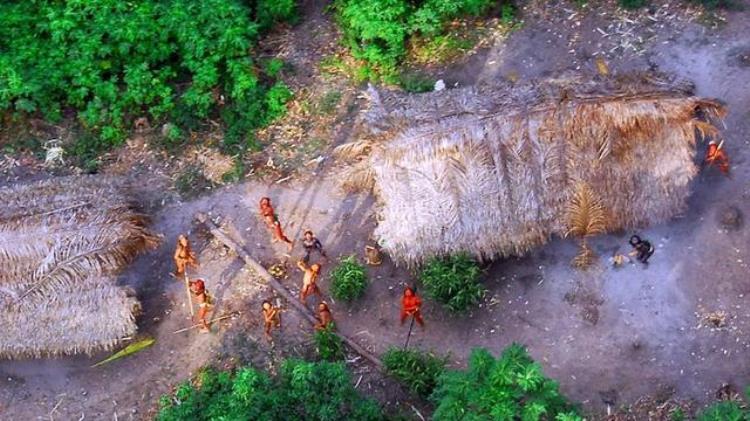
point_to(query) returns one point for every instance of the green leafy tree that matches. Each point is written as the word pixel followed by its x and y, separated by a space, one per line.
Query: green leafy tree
pixel 418 370
pixel 453 281
pixel 348 279
pixel 510 388
pixel 113 61
pixel 377 31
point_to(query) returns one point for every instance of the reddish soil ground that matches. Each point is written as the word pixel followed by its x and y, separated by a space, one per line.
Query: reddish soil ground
pixel 608 335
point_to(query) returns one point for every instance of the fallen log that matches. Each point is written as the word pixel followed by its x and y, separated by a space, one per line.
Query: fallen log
pixel 273 283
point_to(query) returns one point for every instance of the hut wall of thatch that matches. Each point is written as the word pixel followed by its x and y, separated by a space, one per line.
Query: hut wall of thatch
pixel 62 244
pixel 490 170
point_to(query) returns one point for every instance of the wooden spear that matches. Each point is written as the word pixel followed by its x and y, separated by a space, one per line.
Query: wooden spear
pixel 408 336
pixel 273 283
pixel 226 316
pixel 189 295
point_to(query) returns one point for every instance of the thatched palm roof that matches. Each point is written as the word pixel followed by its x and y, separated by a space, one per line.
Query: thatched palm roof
pixel 489 170
pixel 62 243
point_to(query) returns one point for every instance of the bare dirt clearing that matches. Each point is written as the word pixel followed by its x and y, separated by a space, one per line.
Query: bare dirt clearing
pixel 609 336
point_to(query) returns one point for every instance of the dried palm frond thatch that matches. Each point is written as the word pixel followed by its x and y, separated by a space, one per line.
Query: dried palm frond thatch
pixel 489 170
pixel 62 242
pixel 585 217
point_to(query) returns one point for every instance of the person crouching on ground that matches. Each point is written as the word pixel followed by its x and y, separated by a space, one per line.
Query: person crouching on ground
pixel 324 317
pixel 310 244
pixel 642 249
pixel 198 288
pixel 271 318
pixel 309 280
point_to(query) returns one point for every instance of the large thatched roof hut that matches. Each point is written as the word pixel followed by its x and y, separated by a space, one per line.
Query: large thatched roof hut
pixel 62 243
pixel 492 170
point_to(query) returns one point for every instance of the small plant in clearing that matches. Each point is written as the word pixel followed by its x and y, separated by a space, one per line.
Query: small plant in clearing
pixel 328 345
pixel 453 281
pixel 418 370
pixel 348 280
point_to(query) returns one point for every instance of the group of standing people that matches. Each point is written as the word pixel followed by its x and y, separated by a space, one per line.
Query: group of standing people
pixel 410 303
pixel 184 257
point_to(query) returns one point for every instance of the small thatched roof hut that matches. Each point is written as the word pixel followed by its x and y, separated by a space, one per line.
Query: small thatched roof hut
pixel 491 170
pixel 62 243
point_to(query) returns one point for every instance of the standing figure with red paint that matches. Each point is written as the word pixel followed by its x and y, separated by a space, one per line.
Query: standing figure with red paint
pixel 272 221
pixel 715 155
pixel 411 305
pixel 198 288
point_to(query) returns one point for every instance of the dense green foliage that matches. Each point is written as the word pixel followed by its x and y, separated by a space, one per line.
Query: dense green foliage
pixel 453 281
pixel 301 390
pixel 328 344
pixel 418 370
pixel 726 411
pixel 376 31
pixel 348 279
pixel 509 388
pixel 112 61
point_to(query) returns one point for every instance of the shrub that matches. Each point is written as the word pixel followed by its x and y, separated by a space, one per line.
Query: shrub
pixel 453 281
pixel 418 370
pixel 431 16
pixel 414 82
pixel 328 103
pixel 329 345
pixel 114 61
pixel 726 411
pixel 236 173
pixel 85 151
pixel 677 415
pixel 633 4
pixel 509 388
pixel 440 48
pixel 268 12
pixel 191 183
pixel 273 67
pixel 302 390
pixel 715 4
pixel 508 14
pixel 348 280
pixel 276 100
